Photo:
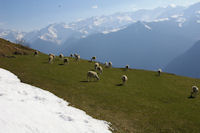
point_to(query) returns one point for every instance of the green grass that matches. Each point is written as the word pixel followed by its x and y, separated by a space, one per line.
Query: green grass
pixel 147 103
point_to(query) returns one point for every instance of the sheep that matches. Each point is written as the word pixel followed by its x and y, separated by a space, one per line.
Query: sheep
pixel 109 64
pixel 36 53
pixel 100 69
pixel 92 74
pixel 71 55
pixel 126 67
pixel 194 91
pixel 106 64
pixel 61 56
pixel 66 60
pixel 159 72
pixel 77 57
pixel 124 79
pixel 51 57
pixel 93 58
pixel 96 65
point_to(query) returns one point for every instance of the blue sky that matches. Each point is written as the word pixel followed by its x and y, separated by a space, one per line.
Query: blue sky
pixel 26 15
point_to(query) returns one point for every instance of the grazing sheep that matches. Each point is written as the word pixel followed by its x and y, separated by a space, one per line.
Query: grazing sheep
pixel 61 56
pixel 100 69
pixel 75 54
pixel 159 71
pixel 109 64
pixel 106 64
pixel 96 65
pixel 93 58
pixel 124 79
pixel 77 57
pixel 92 74
pixel 127 67
pixel 66 60
pixel 51 57
pixel 36 53
pixel 71 55
pixel 194 91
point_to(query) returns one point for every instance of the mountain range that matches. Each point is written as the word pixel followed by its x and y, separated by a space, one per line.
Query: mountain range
pixel 144 39
pixel 187 64
pixel 60 35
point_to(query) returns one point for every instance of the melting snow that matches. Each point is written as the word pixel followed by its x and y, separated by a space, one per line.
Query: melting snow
pixel 28 109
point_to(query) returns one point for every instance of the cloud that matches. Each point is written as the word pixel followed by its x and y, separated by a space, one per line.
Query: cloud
pixel 95 7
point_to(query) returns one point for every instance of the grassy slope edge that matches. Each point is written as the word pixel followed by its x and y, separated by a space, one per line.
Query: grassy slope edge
pixel 147 103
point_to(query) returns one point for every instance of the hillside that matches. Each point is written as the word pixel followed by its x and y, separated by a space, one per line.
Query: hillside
pixel 147 103
pixel 8 49
pixel 187 64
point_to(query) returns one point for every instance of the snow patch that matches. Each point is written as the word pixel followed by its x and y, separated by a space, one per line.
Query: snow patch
pixel 180 21
pixel 176 16
pixel 161 19
pixel 98 21
pixel 28 109
pixel 113 30
pixel 172 5
pixel 148 27
pixel 124 18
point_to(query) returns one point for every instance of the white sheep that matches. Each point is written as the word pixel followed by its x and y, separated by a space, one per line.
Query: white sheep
pixel 109 64
pixel 92 74
pixel 194 91
pixel 36 53
pixel 51 57
pixel 96 65
pixel 100 69
pixel 77 57
pixel 106 64
pixel 66 60
pixel 93 58
pixel 159 71
pixel 124 79
pixel 61 56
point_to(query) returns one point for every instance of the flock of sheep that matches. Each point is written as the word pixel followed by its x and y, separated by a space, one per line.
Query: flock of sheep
pixel 94 75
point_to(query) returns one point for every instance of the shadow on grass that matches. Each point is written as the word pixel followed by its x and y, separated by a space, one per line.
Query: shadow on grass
pixel 84 81
pixel 61 64
pixel 119 84
pixel 157 75
pixel 191 97
pixel 46 62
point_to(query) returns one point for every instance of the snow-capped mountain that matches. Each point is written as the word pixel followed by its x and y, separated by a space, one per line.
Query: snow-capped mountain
pixel 144 45
pixel 60 35
pixel 11 35
pixel 61 32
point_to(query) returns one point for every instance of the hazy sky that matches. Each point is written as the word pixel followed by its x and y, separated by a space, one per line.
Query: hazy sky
pixel 26 15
